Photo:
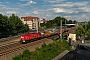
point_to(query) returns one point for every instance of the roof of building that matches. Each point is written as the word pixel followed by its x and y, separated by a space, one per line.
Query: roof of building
pixel 70 24
pixel 27 18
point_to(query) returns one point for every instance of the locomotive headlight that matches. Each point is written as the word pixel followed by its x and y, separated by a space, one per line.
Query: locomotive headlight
pixel 23 41
pixel 22 37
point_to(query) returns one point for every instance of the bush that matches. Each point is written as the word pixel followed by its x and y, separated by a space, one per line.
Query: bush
pixel 46 52
pixel 26 52
pixel 25 56
pixel 43 45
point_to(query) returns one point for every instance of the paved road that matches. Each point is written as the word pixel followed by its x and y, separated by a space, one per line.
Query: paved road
pixel 68 56
pixel 80 54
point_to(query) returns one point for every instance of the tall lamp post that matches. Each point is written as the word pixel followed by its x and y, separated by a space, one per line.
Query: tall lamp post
pixel 85 27
pixel 37 25
pixel 61 30
pixel 65 23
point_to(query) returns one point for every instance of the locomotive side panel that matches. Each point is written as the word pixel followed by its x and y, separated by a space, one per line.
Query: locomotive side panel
pixel 29 36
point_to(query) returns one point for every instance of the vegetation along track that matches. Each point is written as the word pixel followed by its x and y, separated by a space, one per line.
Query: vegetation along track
pixel 10 48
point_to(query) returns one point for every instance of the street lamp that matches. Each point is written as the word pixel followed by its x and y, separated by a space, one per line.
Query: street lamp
pixel 37 25
pixel 85 25
pixel 61 30
pixel 65 23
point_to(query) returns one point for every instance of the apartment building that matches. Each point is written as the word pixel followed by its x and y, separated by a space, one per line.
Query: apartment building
pixel 32 22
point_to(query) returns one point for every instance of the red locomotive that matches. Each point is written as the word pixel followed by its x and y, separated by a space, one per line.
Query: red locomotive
pixel 29 36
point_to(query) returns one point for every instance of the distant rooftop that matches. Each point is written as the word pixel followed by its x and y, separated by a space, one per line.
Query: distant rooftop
pixel 69 24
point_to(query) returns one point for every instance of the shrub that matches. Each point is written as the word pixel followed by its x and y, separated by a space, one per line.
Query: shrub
pixel 43 45
pixel 46 52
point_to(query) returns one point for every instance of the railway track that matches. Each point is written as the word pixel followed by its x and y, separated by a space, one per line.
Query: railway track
pixel 9 38
pixel 7 49
pixel 70 30
pixel 11 41
pixel 14 47
pixel 1 45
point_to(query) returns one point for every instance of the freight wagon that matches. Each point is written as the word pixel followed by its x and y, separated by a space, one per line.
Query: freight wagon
pixel 48 33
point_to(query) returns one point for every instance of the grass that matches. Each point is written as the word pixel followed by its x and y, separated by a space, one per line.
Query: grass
pixel 46 52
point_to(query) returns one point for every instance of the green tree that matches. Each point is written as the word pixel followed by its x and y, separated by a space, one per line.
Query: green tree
pixel 3 25
pixel 74 22
pixel 49 24
pixel 64 20
pixel 17 25
pixel 11 25
pixel 57 20
pixel 42 24
pixel 80 31
pixel 69 22
pixel 88 33
pixel 14 22
pixel 88 25
pixel 25 56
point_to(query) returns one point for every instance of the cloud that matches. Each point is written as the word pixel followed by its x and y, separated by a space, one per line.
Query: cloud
pixel 70 7
pixel 23 0
pixel 9 9
pixel 62 10
pixel 1 13
pixel 54 1
pixel 71 4
pixel 58 10
pixel 35 12
pixel 27 13
pixel 6 8
pixel 28 3
pixel 7 2
pixel 1 5
pixel 48 15
pixel 12 12
pixel 0 2
pixel 85 16
pixel 48 9
pixel 69 10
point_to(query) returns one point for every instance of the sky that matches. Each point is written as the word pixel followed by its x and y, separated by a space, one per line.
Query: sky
pixel 78 10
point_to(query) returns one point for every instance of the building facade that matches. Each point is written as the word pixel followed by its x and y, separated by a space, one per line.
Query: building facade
pixel 32 22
